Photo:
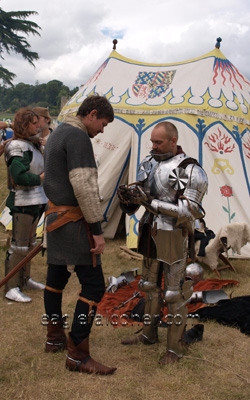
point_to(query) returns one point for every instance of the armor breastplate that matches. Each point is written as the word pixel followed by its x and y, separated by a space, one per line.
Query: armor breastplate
pixel 146 173
pixel 27 195
pixel 164 187
pixel 166 182
pixel 18 147
pixel 168 179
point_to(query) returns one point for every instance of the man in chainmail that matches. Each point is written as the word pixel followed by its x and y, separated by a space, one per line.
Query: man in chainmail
pixel 74 235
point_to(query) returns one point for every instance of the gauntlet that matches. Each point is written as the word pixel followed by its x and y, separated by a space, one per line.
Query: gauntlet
pixel 132 193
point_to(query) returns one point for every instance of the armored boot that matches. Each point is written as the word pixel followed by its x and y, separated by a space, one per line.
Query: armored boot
pixel 175 345
pixel 23 240
pixel 56 338
pixel 149 284
pixel 30 284
pixel 12 289
pixel 15 294
pixel 25 281
pixel 177 293
pixel 78 359
pixel 150 320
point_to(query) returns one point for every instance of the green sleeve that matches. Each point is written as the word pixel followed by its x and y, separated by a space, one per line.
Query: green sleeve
pixel 19 167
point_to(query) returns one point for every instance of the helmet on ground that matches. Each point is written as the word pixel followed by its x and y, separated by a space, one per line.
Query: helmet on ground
pixel 194 271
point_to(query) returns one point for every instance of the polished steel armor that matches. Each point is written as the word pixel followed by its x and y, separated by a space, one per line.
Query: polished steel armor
pixel 28 195
pixel 195 272
pixel 175 188
pixel 176 194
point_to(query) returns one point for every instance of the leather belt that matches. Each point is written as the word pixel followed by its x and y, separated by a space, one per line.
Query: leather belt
pixel 68 214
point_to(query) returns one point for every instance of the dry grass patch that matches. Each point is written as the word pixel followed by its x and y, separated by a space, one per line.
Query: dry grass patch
pixel 214 369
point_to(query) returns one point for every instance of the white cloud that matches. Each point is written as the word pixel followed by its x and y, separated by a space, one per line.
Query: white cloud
pixel 76 37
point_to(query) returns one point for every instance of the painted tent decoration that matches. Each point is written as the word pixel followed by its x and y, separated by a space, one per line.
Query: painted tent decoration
pixel 207 98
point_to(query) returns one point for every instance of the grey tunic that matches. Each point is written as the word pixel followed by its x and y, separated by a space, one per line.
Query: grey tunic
pixel 71 179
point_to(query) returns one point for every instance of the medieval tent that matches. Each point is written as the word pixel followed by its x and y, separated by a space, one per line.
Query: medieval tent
pixel 208 100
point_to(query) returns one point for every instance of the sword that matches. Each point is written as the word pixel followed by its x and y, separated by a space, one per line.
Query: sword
pixel 22 263
pixel 136 294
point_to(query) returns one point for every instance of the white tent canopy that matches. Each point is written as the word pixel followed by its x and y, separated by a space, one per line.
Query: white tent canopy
pixel 208 100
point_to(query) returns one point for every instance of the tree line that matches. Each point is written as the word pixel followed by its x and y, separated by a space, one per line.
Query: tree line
pixel 52 95
pixel 14 30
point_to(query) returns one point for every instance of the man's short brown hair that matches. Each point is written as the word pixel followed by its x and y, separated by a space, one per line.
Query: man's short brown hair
pixel 98 103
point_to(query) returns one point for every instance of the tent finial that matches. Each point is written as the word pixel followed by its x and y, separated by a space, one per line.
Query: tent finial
pixel 115 41
pixel 217 44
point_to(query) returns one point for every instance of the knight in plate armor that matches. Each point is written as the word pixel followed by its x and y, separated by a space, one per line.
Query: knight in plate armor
pixel 170 186
pixel 26 200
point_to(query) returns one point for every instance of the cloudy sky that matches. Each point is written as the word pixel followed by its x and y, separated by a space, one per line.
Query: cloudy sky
pixel 77 35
